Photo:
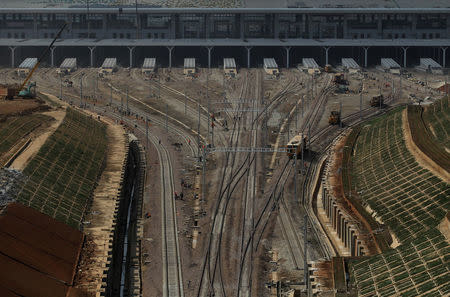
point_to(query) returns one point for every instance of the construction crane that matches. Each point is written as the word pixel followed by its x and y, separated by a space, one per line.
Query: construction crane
pixel 26 92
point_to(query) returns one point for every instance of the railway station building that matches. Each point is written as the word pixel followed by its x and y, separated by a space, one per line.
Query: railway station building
pixel 323 30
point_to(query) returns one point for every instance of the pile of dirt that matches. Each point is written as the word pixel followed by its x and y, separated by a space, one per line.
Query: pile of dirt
pixel 20 107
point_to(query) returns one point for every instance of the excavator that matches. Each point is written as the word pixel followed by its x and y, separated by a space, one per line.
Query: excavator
pixel 30 90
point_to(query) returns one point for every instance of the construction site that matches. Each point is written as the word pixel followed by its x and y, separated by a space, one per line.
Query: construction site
pixel 207 169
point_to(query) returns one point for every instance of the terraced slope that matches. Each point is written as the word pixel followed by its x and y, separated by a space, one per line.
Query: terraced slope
pixel 406 197
pixel 63 175
pixel 411 201
pixel 13 130
pixel 420 267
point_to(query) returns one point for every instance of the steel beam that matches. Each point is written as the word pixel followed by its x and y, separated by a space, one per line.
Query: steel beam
pixel 92 49
pixel 404 48
pixel 52 56
pixel 288 50
pixel 249 48
pixel 13 51
pixel 170 48
pixel 131 49
pixel 444 49
pixel 326 54
pixel 365 56
pixel 209 48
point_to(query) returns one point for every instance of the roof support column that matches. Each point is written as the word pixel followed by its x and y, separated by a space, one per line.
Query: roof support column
pixel 13 50
pixel 444 49
pixel 92 49
pixel 52 56
pixel 365 56
pixel 209 48
pixel 326 54
pixel 131 48
pixel 249 48
pixel 288 50
pixel 170 48
pixel 405 48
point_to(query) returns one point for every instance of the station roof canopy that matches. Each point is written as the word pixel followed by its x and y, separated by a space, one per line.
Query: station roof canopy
pixel 389 63
pixel 269 63
pixel 77 42
pixel 28 63
pixel 69 63
pixel 229 63
pixel 149 63
pixel 349 63
pixel 310 63
pixel 189 62
pixel 38 255
pixel 109 63
pixel 249 4
pixel 429 62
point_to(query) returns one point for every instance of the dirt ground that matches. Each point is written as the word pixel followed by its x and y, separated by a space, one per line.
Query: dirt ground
pixel 99 222
pixel 183 163
pixel 19 107
pixel 38 138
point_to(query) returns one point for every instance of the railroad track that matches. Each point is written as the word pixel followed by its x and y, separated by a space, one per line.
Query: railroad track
pixel 229 181
pixel 172 272
pixel 172 269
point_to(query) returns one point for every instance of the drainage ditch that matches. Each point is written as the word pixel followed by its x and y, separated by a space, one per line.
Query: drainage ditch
pixel 123 278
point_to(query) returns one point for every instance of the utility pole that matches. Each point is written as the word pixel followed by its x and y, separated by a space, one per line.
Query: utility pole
pixel 309 136
pixel 207 98
pixel 204 174
pixel 121 107
pixel 360 100
pixel 159 86
pixel 185 99
pixel 303 108
pixel 198 130
pixel 305 256
pixel 110 98
pixel 167 116
pixel 81 90
pixel 60 87
pixel 340 114
pixel 303 153
pixel 146 131
pixel 295 176
pixel 127 102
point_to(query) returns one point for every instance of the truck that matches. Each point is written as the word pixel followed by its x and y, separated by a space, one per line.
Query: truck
pixel 334 118
pixel 377 101
pixel 8 92
pixel 340 79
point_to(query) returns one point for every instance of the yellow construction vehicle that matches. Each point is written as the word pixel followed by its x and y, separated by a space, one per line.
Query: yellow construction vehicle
pixel 29 91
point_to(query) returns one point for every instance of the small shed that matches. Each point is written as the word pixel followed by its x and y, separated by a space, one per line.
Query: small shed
pixel 430 65
pixel 310 65
pixel 189 66
pixel 149 66
pixel 270 66
pixel 229 66
pixel 350 65
pixel 26 66
pixel 390 65
pixel 67 66
pixel 109 66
